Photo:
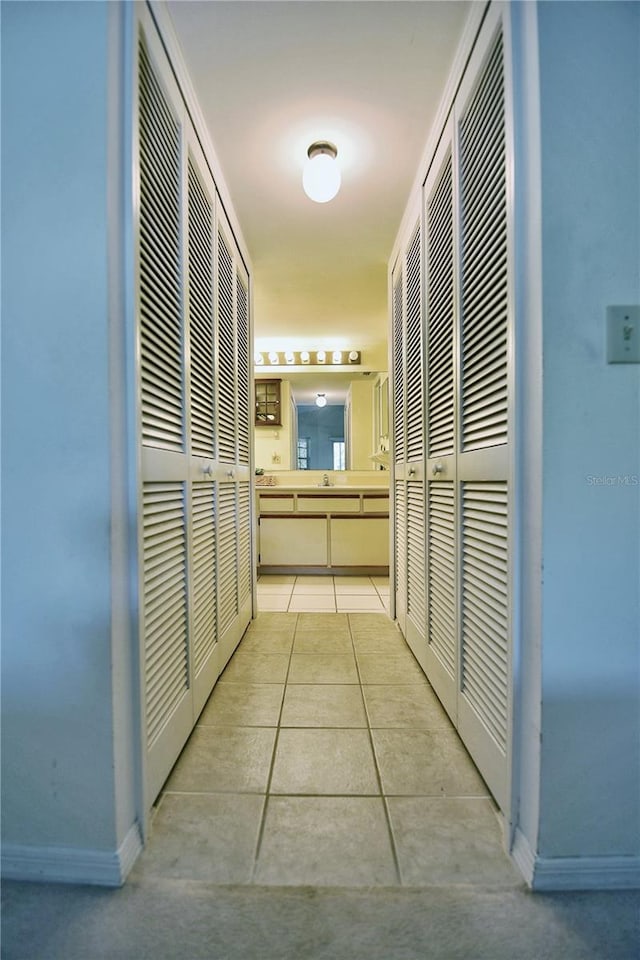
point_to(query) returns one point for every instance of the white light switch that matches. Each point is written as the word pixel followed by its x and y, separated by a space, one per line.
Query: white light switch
pixel 623 334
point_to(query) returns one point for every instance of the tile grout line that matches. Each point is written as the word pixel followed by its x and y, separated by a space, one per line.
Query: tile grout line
pixel 394 851
pixel 263 818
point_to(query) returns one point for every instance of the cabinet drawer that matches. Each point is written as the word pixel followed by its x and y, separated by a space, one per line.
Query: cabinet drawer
pixel 329 504
pixel 275 504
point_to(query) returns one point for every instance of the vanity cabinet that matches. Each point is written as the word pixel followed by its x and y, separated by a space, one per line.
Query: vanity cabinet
pixel 324 531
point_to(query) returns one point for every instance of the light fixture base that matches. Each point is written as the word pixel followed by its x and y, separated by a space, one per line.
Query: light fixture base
pixel 322 146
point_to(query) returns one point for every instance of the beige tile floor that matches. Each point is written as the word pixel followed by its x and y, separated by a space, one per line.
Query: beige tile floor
pixel 317 594
pixel 324 758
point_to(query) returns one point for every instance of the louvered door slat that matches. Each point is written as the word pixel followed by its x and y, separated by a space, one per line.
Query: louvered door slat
pixel 440 317
pixel 160 266
pixel 203 572
pixel 413 350
pixel 200 274
pixel 226 355
pixel 400 541
pixel 485 603
pixel 227 556
pixel 242 336
pixel 415 553
pixel 244 544
pixel 164 603
pixel 484 261
pixel 398 372
pixel 442 572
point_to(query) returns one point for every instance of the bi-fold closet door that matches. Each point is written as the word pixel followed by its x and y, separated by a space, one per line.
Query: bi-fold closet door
pixel 467 321
pixel 408 429
pixel 193 336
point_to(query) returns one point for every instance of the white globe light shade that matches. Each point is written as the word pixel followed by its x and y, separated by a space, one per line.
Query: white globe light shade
pixel 321 400
pixel 321 177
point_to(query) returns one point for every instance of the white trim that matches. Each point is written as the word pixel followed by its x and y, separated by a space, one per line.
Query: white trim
pixel 574 873
pixel 72 865
pixel 586 873
pixel 523 857
pixel 527 648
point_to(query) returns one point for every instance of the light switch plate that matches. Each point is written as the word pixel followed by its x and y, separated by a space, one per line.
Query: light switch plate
pixel 623 334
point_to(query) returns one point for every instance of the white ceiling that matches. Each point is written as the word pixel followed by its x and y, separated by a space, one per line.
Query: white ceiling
pixel 271 78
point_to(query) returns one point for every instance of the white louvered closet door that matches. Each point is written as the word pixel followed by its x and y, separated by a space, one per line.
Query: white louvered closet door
pixel 193 329
pixel 245 559
pixel 201 379
pixel 484 430
pixel 414 447
pixel 165 507
pixel 398 388
pixel 233 433
pixel 441 662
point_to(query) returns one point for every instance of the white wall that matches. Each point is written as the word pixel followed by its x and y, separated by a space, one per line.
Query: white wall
pixel 60 761
pixel 362 442
pixel 590 129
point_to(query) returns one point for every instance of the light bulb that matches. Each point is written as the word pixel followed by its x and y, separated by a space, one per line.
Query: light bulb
pixel 259 359
pixel 321 400
pixel 337 356
pixel 273 357
pixel 289 357
pixel 321 175
pixel 304 356
pixel 321 356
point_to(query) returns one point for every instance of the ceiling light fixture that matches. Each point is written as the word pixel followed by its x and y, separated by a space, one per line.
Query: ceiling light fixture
pixel 321 175
pixel 321 400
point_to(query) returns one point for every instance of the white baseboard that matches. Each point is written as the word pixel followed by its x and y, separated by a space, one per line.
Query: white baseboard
pixel 71 865
pixel 523 857
pixel 574 873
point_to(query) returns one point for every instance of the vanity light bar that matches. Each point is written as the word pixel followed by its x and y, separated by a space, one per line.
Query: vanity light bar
pixel 310 358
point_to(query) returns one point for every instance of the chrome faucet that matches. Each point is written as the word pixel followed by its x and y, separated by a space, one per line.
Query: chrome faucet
pixel 325 481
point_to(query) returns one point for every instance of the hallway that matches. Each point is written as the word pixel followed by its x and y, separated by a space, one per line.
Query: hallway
pixel 323 809
pixel 324 758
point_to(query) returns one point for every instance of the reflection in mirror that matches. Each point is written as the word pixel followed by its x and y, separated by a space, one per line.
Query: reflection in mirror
pixel 350 432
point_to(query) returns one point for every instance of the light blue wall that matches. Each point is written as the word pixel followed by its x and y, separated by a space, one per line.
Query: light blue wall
pixel 590 130
pixel 57 727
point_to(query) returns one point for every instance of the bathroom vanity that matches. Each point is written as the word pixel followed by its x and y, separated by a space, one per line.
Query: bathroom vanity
pixel 341 529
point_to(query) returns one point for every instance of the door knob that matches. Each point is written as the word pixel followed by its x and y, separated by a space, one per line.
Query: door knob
pixel 437 468
pixel 230 474
pixel 207 470
pixel 412 471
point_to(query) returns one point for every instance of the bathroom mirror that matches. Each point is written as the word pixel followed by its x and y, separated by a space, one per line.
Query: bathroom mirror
pixel 345 432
